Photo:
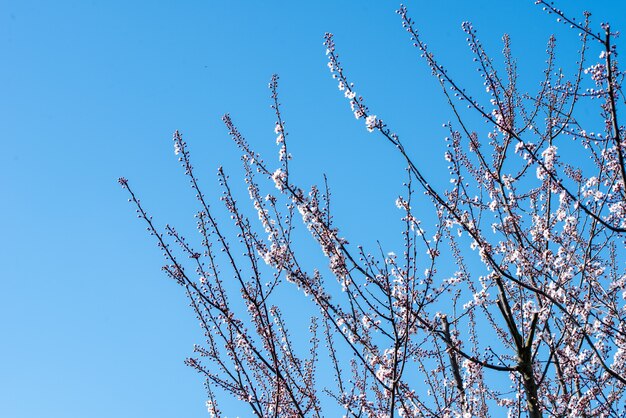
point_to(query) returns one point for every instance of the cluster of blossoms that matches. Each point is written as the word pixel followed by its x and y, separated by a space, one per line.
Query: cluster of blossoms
pixel 549 159
pixel 356 102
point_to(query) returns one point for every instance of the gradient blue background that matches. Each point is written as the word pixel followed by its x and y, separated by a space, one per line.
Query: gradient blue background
pixel 92 90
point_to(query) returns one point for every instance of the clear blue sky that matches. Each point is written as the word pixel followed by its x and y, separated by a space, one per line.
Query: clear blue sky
pixel 91 90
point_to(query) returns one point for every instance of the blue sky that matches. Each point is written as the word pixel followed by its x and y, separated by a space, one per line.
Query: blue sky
pixel 92 90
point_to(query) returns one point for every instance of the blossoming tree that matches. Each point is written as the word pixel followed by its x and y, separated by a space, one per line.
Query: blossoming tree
pixel 531 318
